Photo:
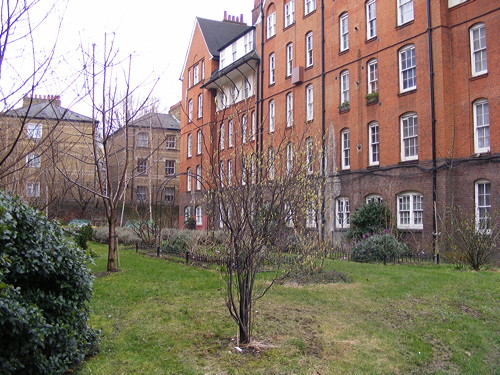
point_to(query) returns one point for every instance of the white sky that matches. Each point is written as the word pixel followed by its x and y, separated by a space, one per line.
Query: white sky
pixel 156 32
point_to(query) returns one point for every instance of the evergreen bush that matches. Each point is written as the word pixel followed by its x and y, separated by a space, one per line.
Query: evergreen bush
pixel 379 248
pixel 370 218
pixel 45 289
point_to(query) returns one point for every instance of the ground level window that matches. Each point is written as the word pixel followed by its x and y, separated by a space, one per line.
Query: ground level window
pixel 410 211
pixel 483 205
pixel 343 213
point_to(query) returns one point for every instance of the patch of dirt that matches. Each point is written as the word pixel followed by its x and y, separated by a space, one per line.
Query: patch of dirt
pixel 297 279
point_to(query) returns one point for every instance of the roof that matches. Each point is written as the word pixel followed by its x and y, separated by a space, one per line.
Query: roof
pixel 47 111
pixel 219 33
pixel 158 121
pixel 244 60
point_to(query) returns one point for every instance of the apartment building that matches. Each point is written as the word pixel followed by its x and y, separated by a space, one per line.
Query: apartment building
pixel 41 149
pixel 395 96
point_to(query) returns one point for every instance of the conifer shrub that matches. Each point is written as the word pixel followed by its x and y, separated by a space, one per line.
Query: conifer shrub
pixel 370 218
pixel 379 248
pixel 45 289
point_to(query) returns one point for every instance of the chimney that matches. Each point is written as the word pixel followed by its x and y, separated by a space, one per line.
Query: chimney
pixel 37 99
pixel 225 15
pixel 175 111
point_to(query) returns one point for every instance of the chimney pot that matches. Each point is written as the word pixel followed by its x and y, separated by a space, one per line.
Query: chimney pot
pixel 241 17
pixel 225 15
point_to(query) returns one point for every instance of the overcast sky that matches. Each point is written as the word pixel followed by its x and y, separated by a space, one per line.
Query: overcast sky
pixel 156 32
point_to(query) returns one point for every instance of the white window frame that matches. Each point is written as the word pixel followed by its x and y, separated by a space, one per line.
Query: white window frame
pixel 272 68
pixel 373 143
pixel 289 13
pixel 482 203
pixel 309 102
pixel 203 70
pixel 289 158
pixel 169 194
pixel 372 75
pixel 309 6
pixel 270 163
pixel 142 166
pixel 289 59
pixel 405 12
pixel 246 89
pixel 311 221
pixel 409 138
pixel 188 180
pixel 198 177
pixel 190 110
pixel 374 198
pixel 142 139
pixel 141 193
pixel 344 87
pixel 481 126
pixel 407 68
pixel 248 42
pixel 309 49
pixel 344 31
pixel 342 213
pixel 199 142
pixel 254 126
pixel 199 215
pixel 189 145
pixel 310 155
pixel 289 109
pixel 230 133
pixel 34 131
pixel 229 171
pixel 33 189
pixel 33 160
pixel 244 128
pixel 200 105
pixel 272 116
pixel 171 141
pixel 410 211
pixel 345 139
pixel 169 167
pixel 222 136
pixel 479 58
pixel 371 19
pixel 271 25
pixel 196 74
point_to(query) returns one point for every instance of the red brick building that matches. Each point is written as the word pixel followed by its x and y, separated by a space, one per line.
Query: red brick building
pixel 398 96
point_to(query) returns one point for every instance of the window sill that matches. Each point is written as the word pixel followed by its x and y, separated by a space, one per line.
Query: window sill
pixel 479 76
pixel 309 67
pixel 408 162
pixel 373 167
pixel 309 14
pixel 372 39
pixel 289 26
pixel 343 52
pixel 482 153
pixel 344 109
pixel 408 23
pixel 271 84
pixel 270 37
pixel 411 229
pixel 409 92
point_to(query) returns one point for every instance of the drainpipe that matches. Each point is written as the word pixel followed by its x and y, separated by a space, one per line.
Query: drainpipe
pixel 323 127
pixel 433 128
pixel 260 91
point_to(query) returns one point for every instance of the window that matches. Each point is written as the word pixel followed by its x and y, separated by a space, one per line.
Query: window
pixel 230 133
pixel 344 32
pixel 483 205
pixel 199 215
pixel 189 78
pixel 409 137
pixel 33 189
pixel 289 158
pixel 309 49
pixel 170 141
pixel 270 163
pixel 374 198
pixel 289 59
pixel 311 218
pixel 142 166
pixel 190 145
pixel 343 213
pixel 222 59
pixel 229 171
pixel 203 69
pixel 222 174
pixel 190 110
pixel 169 194
pixel 405 11
pixel 198 177
pixel 196 74
pixel 344 87
pixel 234 94
pixel 222 136
pixel 309 6
pixel 141 194
pixel 188 212
pixel 371 19
pixel 410 211
pixel 345 137
pixel 372 72
pixel 373 144
pixel 272 70
pixel 289 109
pixel 33 160
pixel 478 49
pixel 407 69
pixel 34 131
pixel 246 89
pixel 289 13
pixel 142 140
pixel 234 47
pixel 253 168
pixel 481 126
pixel 199 142
pixel 309 103
pixel 272 117
pixel 244 128
pixel 248 42
pixel 200 106
pixel 170 167
pixel 188 179
pixel 310 155
pixel 254 126
pixel 271 25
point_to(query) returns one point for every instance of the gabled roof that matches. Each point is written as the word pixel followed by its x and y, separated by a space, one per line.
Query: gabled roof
pixel 157 121
pixel 219 33
pixel 47 111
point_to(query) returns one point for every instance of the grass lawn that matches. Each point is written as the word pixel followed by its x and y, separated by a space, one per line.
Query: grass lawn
pixel 159 317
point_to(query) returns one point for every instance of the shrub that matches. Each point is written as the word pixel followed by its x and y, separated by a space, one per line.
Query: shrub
pixel 83 235
pixel 378 248
pixel 370 218
pixel 126 236
pixel 45 289
pixel 190 223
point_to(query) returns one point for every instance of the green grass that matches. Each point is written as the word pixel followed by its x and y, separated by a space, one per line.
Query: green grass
pixel 159 317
